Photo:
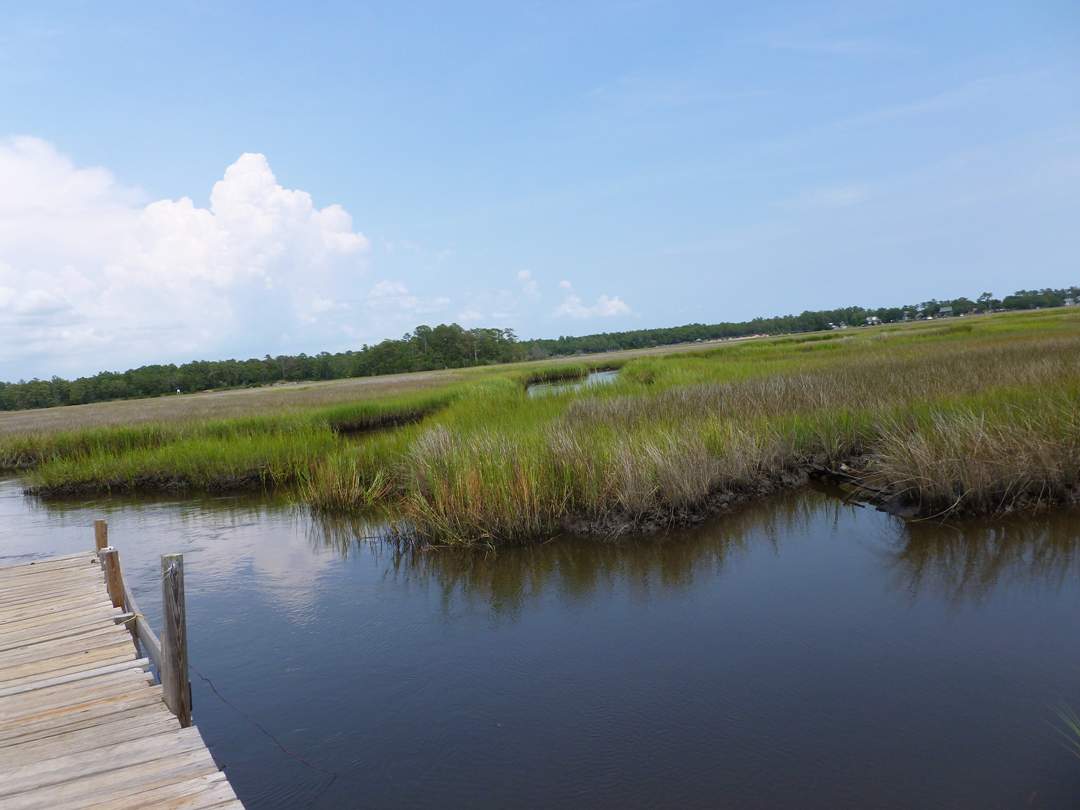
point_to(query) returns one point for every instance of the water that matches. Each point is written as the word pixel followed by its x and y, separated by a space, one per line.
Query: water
pixel 591 379
pixel 801 653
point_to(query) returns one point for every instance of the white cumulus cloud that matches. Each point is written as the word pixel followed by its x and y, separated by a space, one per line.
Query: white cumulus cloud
pixel 92 275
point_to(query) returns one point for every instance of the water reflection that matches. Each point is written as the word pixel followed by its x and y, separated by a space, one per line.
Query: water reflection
pixel 591 379
pixel 350 534
pixel 235 535
pixel 953 562
pixel 574 567
pixel 226 539
pixel 967 561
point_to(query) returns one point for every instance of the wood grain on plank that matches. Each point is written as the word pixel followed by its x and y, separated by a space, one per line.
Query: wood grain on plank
pixel 141 664
pixel 81 722
pixel 110 786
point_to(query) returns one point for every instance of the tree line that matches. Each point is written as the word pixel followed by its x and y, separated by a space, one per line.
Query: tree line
pixel 452 346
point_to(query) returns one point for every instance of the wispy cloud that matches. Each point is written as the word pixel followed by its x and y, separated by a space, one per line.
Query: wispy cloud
pixel 499 307
pixel 573 306
pixel 529 285
pixel 395 296
pixel 841 196
pixel 642 93
pixel 983 88
pixel 857 47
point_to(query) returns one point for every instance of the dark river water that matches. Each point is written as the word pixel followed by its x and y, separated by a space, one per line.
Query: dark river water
pixel 801 653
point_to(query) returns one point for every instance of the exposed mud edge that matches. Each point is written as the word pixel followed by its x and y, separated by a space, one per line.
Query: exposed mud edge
pixel 383 421
pixel 148 485
pixel 849 477
pixel 17 466
pixel 617 524
pixel 362 426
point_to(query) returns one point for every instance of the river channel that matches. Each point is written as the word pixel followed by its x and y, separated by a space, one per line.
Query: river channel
pixel 801 652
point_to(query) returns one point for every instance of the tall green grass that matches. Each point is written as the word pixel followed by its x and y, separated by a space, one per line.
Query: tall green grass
pixel 201 462
pixel 563 372
pixel 265 450
pixel 975 416
pixel 382 413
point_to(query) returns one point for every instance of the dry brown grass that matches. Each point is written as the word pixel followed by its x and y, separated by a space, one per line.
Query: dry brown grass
pixel 274 398
pixel 971 460
pixel 220 404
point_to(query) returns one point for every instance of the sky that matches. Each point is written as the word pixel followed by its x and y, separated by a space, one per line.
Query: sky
pixel 211 180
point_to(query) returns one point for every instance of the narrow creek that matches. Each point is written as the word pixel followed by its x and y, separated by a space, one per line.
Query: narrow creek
pixel 801 652
pixel 593 378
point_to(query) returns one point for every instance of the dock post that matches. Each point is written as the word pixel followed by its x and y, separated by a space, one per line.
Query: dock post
pixel 174 654
pixel 114 577
pixel 101 534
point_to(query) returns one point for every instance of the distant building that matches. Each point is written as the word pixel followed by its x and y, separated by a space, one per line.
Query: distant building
pixel 945 312
pixel 1070 302
pixel 873 320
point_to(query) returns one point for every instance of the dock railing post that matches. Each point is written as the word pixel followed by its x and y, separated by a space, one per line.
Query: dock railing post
pixel 101 534
pixel 174 655
pixel 114 577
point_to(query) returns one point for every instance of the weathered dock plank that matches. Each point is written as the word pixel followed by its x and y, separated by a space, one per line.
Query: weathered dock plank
pixel 82 723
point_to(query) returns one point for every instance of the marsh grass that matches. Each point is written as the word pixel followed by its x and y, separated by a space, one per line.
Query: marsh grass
pixel 990 453
pixel 979 416
pixel 208 463
pixel 549 374
pixel 264 450
pixel 360 417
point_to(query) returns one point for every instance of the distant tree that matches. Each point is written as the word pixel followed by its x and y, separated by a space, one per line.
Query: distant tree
pixel 451 346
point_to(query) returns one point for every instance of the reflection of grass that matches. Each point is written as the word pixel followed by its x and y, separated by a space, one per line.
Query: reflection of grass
pixel 968 560
pixel 1071 729
pixel 514 576
pixel 979 416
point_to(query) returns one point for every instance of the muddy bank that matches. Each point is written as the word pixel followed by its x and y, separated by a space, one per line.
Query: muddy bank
pixel 848 480
pixel 358 427
pixel 150 485
pixel 619 523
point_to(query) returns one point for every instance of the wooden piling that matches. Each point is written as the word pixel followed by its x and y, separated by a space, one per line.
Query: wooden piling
pixel 114 577
pixel 174 653
pixel 101 534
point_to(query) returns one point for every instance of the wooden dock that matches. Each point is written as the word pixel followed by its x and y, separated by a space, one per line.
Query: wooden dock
pixel 82 722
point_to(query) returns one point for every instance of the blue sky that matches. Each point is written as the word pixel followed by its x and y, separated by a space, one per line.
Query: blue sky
pixel 556 168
